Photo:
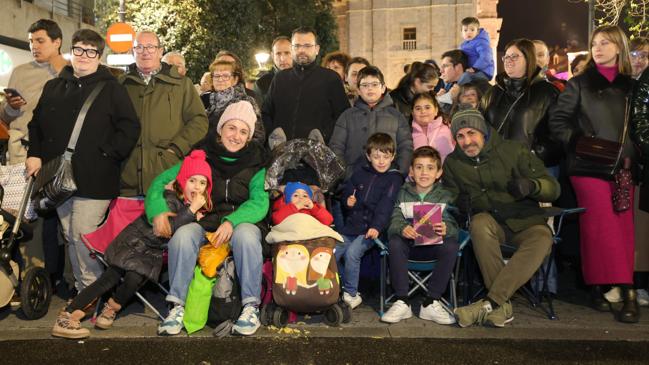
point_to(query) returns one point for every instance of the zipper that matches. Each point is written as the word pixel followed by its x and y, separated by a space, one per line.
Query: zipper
pixel 227 182
pixel 369 188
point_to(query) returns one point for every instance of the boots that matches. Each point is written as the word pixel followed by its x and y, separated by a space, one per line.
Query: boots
pixel 598 301
pixel 630 312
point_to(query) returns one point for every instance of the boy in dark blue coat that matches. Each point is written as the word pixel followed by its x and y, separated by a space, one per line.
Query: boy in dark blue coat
pixel 368 196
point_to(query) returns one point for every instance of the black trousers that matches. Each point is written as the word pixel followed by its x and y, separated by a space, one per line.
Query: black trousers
pixel 107 281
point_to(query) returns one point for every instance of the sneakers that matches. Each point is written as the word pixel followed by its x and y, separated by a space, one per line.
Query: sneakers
pixel 614 295
pixel 643 297
pixel 500 316
pixel 106 318
pixel 173 324
pixel 398 311
pixel 248 322
pixel 435 312
pixel 68 327
pixel 473 313
pixel 352 301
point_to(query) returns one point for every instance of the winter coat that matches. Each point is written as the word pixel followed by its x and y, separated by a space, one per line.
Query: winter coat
pixel 355 125
pixel 236 93
pixel 375 193
pixel 639 122
pixel 437 135
pixel 237 199
pixel 484 180
pixel 281 210
pixel 478 50
pixel 520 112
pixel 408 196
pixel 172 118
pixel 137 249
pixel 263 83
pixel 592 106
pixel 109 132
pixel 402 100
pixel 304 98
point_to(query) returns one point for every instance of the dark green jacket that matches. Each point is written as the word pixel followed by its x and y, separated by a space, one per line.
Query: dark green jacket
pixel 484 179
pixel 172 117
pixel 408 196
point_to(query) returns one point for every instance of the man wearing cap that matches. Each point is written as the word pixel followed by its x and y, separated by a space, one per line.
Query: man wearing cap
pixel 498 184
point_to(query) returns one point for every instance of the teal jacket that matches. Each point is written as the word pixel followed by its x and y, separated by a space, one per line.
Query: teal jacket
pixel 408 196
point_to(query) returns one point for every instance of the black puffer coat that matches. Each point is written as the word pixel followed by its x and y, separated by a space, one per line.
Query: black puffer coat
pixel 639 126
pixel 137 249
pixel 594 107
pixel 520 112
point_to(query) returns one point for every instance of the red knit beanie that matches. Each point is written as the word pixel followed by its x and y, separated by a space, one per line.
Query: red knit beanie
pixel 195 164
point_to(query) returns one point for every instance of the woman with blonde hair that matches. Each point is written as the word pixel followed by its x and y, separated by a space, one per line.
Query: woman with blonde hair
pixel 591 119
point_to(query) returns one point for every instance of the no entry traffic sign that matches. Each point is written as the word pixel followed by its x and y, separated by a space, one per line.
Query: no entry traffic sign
pixel 120 37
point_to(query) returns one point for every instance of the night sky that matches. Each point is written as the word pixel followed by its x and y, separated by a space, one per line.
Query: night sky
pixel 554 21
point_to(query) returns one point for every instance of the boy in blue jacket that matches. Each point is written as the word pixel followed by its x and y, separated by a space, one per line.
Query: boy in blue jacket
pixel 368 196
pixel 477 47
pixel 425 171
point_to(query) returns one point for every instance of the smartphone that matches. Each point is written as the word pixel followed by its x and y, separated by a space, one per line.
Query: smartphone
pixel 13 92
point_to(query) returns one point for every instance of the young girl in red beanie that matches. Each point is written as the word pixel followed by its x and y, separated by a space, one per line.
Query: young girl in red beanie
pixel 136 254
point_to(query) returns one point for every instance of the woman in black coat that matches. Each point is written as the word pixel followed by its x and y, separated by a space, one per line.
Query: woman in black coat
pixel 109 133
pixel 518 105
pixel 594 107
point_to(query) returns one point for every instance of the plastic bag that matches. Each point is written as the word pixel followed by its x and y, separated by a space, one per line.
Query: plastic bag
pixel 198 300
pixel 328 167
pixel 210 258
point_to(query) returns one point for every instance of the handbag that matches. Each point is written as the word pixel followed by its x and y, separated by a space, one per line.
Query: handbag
pixel 55 182
pixel 623 188
pixel 603 151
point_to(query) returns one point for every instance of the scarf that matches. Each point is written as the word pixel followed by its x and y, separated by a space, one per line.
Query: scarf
pixel 226 164
pixel 219 100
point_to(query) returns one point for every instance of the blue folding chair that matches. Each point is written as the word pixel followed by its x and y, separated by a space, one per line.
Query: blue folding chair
pixel 419 272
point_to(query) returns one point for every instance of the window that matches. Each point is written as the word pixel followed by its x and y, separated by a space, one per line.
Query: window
pixel 409 39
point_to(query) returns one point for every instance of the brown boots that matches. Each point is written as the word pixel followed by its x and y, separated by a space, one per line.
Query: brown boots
pixel 598 301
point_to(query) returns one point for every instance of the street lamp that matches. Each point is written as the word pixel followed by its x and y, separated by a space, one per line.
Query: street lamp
pixel 262 58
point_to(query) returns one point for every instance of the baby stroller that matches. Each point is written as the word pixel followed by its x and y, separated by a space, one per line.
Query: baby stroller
pixel 304 275
pixel 35 287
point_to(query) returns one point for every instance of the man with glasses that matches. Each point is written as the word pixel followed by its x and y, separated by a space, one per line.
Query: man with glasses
pixel 282 60
pixel 639 55
pixel 171 114
pixel 305 100
pixel 452 67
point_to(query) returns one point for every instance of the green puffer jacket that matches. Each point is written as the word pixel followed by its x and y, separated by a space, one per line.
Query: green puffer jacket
pixel 484 179
pixel 408 196
pixel 172 118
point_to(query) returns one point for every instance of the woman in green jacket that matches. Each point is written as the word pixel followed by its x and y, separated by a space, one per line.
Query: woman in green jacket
pixel 240 203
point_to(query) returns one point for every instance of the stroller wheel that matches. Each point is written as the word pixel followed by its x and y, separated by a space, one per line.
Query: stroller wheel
pixel 280 317
pixel 347 312
pixel 333 316
pixel 35 293
pixel 266 314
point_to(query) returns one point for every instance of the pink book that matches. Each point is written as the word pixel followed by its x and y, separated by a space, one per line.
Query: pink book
pixel 424 217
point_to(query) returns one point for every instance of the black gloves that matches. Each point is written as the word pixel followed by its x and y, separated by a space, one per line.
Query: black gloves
pixel 521 187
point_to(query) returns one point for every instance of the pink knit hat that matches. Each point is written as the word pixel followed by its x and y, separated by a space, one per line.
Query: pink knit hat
pixel 195 164
pixel 241 110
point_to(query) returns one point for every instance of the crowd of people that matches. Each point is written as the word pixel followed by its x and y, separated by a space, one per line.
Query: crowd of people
pixel 491 155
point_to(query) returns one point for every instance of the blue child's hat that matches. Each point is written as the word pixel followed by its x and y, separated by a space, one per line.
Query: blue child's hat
pixel 292 186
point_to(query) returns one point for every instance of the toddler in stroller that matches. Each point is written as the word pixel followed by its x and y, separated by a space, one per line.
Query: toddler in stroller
pixel 305 277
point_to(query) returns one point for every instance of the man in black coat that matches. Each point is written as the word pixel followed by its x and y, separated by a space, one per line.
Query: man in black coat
pixel 282 60
pixel 306 97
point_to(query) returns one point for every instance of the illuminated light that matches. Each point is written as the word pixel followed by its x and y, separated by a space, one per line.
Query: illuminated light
pixel 6 64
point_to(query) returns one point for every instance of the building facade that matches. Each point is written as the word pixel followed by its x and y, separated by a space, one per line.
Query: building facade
pixel 394 33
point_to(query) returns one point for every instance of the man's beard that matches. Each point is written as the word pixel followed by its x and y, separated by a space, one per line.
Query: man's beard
pixel 303 60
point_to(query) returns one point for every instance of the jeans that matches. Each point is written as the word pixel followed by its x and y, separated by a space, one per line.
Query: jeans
pixel 351 251
pixel 81 216
pixel 469 77
pixel 246 250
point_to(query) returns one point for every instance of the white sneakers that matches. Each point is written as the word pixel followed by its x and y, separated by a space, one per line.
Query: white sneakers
pixel 352 301
pixel 643 297
pixel 433 312
pixel 398 311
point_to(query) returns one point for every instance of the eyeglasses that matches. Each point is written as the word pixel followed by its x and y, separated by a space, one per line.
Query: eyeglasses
pixel 512 57
pixel 224 77
pixel 368 85
pixel 639 54
pixel 90 53
pixel 149 49
pixel 306 47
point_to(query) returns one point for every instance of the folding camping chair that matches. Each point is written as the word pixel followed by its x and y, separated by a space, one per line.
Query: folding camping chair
pixel 532 292
pixel 419 272
pixel 122 212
